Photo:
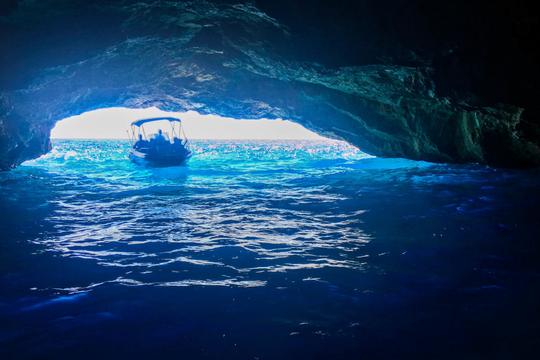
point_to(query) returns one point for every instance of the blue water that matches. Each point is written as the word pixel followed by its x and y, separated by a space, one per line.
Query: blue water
pixel 266 250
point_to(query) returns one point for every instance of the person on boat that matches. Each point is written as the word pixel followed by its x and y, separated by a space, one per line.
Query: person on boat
pixel 140 142
pixel 159 138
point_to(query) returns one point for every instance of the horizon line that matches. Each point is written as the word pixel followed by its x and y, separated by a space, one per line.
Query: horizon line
pixel 270 139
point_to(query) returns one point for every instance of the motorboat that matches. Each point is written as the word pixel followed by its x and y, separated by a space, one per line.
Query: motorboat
pixel 159 149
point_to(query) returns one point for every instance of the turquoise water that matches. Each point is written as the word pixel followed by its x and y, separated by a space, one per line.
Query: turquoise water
pixel 266 250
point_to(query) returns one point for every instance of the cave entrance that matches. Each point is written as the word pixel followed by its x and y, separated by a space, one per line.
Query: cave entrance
pixel 101 137
pixel 112 123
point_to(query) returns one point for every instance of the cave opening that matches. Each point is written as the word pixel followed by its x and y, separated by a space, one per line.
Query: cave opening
pixel 112 123
pixel 104 136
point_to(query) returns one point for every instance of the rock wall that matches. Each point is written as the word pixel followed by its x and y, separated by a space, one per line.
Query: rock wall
pixel 346 71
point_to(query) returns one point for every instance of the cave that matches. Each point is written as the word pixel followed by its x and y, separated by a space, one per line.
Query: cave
pixel 426 92
pixel 399 220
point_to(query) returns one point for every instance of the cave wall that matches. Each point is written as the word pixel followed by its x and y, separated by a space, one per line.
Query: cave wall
pixel 444 82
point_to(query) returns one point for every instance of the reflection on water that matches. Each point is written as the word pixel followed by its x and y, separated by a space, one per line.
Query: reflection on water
pixel 311 244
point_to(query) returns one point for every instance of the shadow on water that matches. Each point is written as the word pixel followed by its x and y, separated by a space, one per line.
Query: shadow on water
pixel 271 251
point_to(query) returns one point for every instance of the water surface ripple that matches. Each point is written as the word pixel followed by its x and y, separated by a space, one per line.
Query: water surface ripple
pixel 314 244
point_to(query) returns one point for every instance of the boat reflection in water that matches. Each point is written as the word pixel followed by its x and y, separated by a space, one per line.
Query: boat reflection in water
pixel 160 149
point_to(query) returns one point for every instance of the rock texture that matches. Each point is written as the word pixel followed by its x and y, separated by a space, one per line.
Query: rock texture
pixel 389 77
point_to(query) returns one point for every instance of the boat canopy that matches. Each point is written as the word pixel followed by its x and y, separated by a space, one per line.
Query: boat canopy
pixel 144 121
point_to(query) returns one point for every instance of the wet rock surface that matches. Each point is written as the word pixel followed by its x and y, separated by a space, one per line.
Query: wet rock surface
pixel 399 79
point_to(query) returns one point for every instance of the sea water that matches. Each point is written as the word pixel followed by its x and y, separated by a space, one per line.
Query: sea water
pixel 266 250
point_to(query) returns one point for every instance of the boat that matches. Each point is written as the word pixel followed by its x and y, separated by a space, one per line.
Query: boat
pixel 159 149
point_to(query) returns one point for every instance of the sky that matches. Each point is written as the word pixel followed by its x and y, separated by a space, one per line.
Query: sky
pixel 112 123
